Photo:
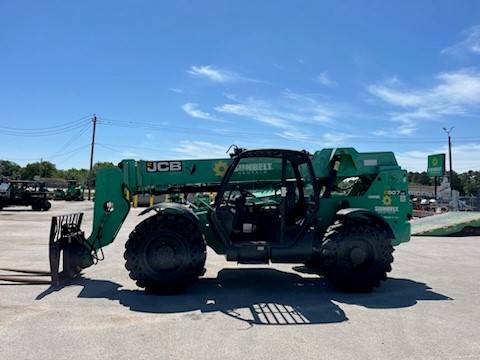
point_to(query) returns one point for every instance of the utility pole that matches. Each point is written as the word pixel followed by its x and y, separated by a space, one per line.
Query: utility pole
pixel 450 173
pixel 89 182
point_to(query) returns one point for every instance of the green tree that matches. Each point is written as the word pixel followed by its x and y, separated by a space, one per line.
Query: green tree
pixel 467 183
pixel 9 169
pixel 457 183
pixel 42 169
pixel 80 175
pixel 419 178
pixel 470 181
pixel 103 165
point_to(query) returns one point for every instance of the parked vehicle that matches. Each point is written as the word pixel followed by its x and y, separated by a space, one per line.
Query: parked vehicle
pixel 338 212
pixel 24 193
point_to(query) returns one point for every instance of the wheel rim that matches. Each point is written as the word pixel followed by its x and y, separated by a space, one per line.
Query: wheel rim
pixel 357 254
pixel 165 254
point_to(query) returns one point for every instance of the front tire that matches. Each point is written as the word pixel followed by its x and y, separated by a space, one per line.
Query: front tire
pixel 165 254
pixel 356 255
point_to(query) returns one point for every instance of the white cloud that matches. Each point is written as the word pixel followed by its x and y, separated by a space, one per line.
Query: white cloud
pixel 393 80
pixel 330 139
pixel 177 90
pixel 311 107
pixel 295 135
pixel 294 114
pixel 454 90
pixel 286 113
pixel 193 110
pixel 465 157
pixel 200 149
pixel 380 133
pixel 395 97
pixel 406 125
pixel 456 93
pixel 257 110
pixel 211 73
pixel 217 75
pixel 324 79
pixel 470 43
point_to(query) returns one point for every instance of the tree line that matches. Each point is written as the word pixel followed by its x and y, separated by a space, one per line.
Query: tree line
pixel 46 169
pixel 467 183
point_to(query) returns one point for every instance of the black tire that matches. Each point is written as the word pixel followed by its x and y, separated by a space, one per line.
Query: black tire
pixel 37 205
pixel 356 256
pixel 165 254
pixel 46 205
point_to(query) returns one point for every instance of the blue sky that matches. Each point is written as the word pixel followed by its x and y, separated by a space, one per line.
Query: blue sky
pixel 184 79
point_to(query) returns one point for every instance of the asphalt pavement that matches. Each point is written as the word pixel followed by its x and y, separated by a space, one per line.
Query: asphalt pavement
pixel 429 308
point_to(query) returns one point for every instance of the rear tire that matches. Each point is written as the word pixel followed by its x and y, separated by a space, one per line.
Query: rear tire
pixel 37 205
pixel 165 254
pixel 46 205
pixel 356 256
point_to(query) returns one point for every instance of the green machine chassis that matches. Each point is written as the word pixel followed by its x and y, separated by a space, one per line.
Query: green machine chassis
pixel 361 187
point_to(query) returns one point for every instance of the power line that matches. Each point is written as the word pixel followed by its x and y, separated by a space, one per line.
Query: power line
pixel 46 128
pixel 44 131
pixel 236 134
pixel 50 156
pixel 110 148
pixel 72 154
pixel 75 137
pixel 68 152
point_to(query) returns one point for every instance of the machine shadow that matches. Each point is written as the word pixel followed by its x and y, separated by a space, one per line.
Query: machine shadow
pixel 260 296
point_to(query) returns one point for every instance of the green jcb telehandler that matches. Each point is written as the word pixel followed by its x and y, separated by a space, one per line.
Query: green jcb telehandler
pixel 338 212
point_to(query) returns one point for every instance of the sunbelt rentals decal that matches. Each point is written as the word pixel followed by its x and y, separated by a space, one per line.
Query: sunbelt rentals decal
pixel 221 166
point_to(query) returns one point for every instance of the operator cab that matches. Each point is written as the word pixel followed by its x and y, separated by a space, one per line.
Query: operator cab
pixel 267 197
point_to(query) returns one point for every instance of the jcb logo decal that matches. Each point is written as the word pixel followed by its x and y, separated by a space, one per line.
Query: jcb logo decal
pixel 164 166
